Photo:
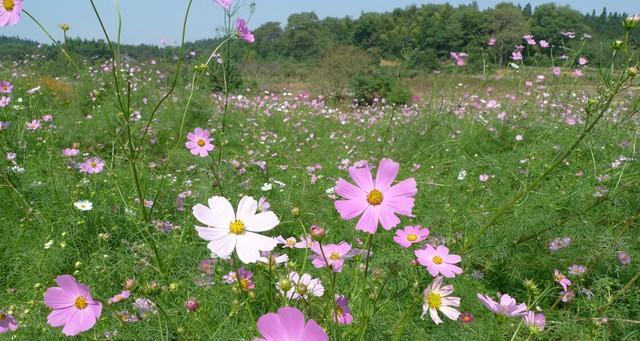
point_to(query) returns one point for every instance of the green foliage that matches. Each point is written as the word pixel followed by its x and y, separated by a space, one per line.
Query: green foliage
pixel 367 87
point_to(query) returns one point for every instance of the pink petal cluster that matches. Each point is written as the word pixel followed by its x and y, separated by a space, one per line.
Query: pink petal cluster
pixel 289 324
pixel 342 313
pixel 410 235
pixel 92 165
pixel 73 307
pixel 243 31
pixel 535 322
pixel 226 4
pixel 333 254
pixel 376 200
pixel 7 323
pixel 439 261
pixel 507 306
pixel 199 142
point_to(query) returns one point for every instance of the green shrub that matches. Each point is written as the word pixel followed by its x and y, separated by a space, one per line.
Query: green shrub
pixel 367 87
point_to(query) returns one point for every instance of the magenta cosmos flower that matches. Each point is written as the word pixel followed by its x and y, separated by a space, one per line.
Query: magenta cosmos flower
pixel 410 235
pixel 287 325
pixel 507 306
pixel 243 31
pixel 199 142
pixel 376 200
pixel 439 261
pixel 7 323
pixel 342 313
pixel 10 12
pixel 226 4
pixel 92 165
pixel 335 255
pixel 72 306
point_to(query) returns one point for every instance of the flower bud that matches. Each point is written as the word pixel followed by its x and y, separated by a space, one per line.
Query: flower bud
pixel 631 22
pixel 295 211
pixel 284 284
pixel 633 71
pixel 192 304
pixel 129 284
pixel 617 44
pixel 65 27
pixel 317 232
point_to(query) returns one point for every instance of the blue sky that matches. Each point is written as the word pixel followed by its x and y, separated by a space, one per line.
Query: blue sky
pixel 148 21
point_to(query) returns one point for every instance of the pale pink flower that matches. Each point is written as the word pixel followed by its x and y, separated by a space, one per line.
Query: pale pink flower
pixel 436 299
pixel 33 125
pixel 199 142
pixel 561 279
pixel 410 235
pixel 439 261
pixel 7 323
pixel 342 313
pixel 507 306
pixel 535 322
pixel 335 255
pixel 243 31
pixel 10 12
pixel 289 325
pixel 92 165
pixel 226 4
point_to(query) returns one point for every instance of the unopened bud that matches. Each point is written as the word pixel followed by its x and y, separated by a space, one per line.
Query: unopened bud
pixel 129 284
pixel 633 71
pixel 631 22
pixel 617 44
pixel 295 211
pixel 317 233
pixel 284 284
pixel 65 27
pixel 192 304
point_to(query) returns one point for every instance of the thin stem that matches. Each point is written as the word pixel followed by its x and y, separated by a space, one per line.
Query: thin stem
pixel 363 298
pixel 53 40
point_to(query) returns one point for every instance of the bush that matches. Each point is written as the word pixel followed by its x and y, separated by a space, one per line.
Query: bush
pixel 367 87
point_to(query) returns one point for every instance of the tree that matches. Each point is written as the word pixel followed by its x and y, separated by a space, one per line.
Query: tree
pixel 268 40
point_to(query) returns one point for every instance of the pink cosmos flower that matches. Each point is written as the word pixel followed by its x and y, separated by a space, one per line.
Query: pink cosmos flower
pixel 243 31
pixel 483 177
pixel 507 306
pixel 72 306
pixel 544 44
pixel 289 324
pixel 7 323
pixel 10 12
pixel 410 235
pixel 556 71
pixel 33 125
pixel 577 73
pixel 70 152
pixel 535 322
pixel 582 61
pixel 435 299
pixel 377 201
pixel 624 258
pixel 226 4
pixel 5 87
pixel 561 279
pixel 439 261
pixel 92 165
pixel 492 41
pixel 4 101
pixel 335 255
pixel 342 313
pixel 199 142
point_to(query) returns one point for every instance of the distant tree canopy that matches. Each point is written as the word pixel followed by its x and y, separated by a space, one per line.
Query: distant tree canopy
pixel 418 36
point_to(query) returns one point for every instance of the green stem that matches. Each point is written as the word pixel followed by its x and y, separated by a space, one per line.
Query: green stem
pixel 363 298
pixel 53 40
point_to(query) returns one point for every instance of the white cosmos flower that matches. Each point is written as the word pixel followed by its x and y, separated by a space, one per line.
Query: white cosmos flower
pixel 302 287
pixel 436 299
pixel 83 205
pixel 230 231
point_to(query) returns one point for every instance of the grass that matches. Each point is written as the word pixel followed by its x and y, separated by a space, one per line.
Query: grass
pixel 109 244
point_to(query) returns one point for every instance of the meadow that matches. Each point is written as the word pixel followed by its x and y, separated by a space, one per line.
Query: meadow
pixel 116 176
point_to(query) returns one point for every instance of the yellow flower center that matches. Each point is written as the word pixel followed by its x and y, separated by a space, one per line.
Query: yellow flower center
pixel 244 283
pixel 412 237
pixel 339 311
pixel 437 260
pixel 93 164
pixel 434 300
pixel 8 4
pixel 81 302
pixel 375 197
pixel 4 87
pixel 201 142
pixel 301 289
pixel 3 317
pixel 334 256
pixel 236 227
pixel 559 277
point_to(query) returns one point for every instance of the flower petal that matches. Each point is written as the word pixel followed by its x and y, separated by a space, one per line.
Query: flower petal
pixel 292 322
pixel 261 222
pixel 405 188
pixel 269 326
pixel 211 234
pixel 224 246
pixel 57 298
pixel 59 317
pixel 369 220
pixel 247 207
pixel 222 207
pixel 313 332
pixel 349 191
pixel 387 172
pixel 388 220
pixel 350 209
pixel 362 177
